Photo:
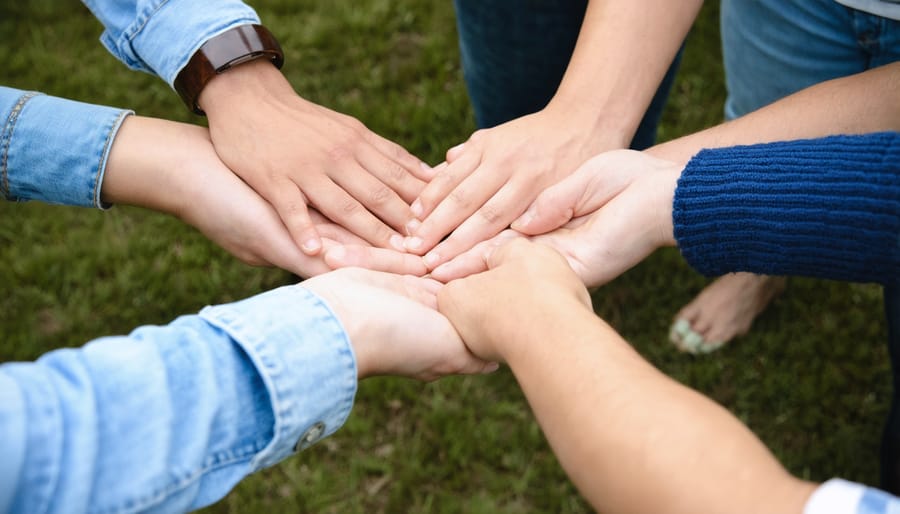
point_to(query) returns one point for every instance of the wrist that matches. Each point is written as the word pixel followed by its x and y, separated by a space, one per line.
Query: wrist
pixel 594 125
pixel 222 53
pixel 245 84
pixel 539 323
pixel 139 174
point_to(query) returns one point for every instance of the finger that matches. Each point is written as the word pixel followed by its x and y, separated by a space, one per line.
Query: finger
pixel 379 259
pixel 469 203
pixel 399 155
pixel 455 152
pixel 486 222
pixel 329 230
pixel 413 288
pixel 375 196
pixel 472 261
pixel 475 366
pixel 391 173
pixel 343 209
pixel 290 203
pixel 443 183
pixel 557 204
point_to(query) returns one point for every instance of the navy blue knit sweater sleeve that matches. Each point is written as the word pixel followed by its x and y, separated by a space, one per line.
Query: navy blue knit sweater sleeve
pixel 826 208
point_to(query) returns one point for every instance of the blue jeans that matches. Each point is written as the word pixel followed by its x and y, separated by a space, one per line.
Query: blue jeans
pixel 773 48
pixel 515 52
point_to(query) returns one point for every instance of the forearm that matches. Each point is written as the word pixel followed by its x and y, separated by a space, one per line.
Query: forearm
pixel 622 54
pixel 154 164
pixel 866 102
pixel 182 411
pixel 633 440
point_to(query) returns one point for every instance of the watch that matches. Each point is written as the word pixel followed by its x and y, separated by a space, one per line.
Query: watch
pixel 233 47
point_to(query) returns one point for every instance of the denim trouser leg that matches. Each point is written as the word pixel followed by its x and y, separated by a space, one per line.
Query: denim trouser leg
pixel 514 55
pixel 890 443
pixel 773 48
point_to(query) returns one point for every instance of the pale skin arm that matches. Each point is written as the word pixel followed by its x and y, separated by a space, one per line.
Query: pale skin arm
pixel 631 439
pixel 623 51
pixel 189 181
pixel 861 103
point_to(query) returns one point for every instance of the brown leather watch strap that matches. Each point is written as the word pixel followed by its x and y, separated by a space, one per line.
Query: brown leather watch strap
pixel 219 54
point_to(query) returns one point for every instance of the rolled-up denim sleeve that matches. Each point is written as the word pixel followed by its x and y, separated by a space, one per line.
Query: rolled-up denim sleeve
pixel 54 150
pixel 160 36
pixel 182 412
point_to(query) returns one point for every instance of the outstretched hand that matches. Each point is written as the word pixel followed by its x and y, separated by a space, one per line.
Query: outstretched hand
pixel 189 181
pixel 525 278
pixel 394 326
pixel 607 217
pixel 490 179
pixel 297 154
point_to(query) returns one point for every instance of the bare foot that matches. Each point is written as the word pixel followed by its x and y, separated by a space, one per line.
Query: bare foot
pixel 723 310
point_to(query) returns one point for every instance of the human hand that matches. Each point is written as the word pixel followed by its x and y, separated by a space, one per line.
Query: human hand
pixel 529 283
pixel 609 215
pixel 295 153
pixel 189 181
pixel 490 180
pixel 393 324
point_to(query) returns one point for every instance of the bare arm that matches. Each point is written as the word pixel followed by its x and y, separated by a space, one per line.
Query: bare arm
pixel 630 438
pixel 621 56
pixel 861 103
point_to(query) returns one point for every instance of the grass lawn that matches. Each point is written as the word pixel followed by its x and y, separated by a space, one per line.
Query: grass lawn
pixel 812 379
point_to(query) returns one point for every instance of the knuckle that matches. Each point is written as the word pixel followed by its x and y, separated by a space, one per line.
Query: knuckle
pixel 380 195
pixel 396 172
pixel 490 214
pixel 349 206
pixel 339 153
pixel 459 197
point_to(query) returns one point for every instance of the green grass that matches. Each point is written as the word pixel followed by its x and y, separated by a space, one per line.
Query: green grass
pixel 812 379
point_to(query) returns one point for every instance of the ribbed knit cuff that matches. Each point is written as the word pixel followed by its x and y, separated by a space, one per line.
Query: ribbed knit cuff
pixel 826 208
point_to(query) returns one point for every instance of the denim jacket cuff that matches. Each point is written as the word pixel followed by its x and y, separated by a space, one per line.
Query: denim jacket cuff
pixel 162 38
pixel 305 359
pixel 54 150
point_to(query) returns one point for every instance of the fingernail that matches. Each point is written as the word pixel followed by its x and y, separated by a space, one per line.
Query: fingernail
pixel 431 258
pixel 412 226
pixel 413 243
pixel 416 208
pixel 426 168
pixel 396 241
pixel 490 368
pixel 311 245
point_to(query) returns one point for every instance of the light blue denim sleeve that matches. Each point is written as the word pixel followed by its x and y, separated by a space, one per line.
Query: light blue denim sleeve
pixel 169 419
pixel 838 496
pixel 52 149
pixel 160 36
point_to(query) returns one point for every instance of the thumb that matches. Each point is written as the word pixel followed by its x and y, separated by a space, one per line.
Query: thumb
pixel 553 208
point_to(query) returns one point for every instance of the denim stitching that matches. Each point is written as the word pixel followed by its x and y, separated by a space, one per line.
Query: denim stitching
pixel 104 157
pixel 7 139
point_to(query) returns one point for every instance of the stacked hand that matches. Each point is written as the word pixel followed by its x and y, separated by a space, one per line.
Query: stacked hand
pixel 189 181
pixel 610 214
pixel 489 180
pixel 296 154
